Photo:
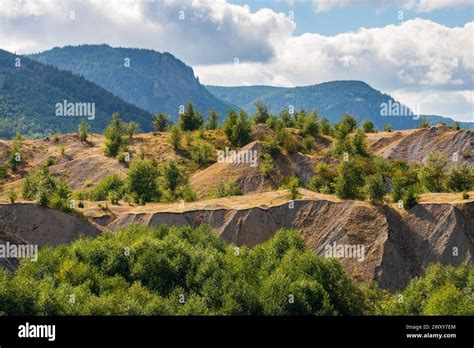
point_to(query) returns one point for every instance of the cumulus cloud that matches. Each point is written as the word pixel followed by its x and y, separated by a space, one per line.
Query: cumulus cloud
pixel 198 31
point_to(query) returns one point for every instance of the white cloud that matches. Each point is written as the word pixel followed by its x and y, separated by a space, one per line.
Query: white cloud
pixel 198 31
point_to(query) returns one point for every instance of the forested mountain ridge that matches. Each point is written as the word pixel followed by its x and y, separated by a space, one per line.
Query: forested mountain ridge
pixel 31 91
pixel 151 80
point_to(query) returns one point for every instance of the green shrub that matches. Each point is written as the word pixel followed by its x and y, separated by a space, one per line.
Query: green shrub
pixel 292 184
pixel 225 189
pixel 323 179
pixel 39 185
pixel 202 153
pixel 160 121
pixel 12 196
pixel 349 180
pixel 190 119
pixel 83 131
pixel 142 180
pixel 461 177
pixel 368 126
pixel 261 113
pixel 465 195
pixel 267 165
pixel 387 128
pixel 432 174
pixel 410 197
pixel 375 188
pixel 212 119
pixel 3 171
pixel 61 197
pixel 115 136
pixel 49 162
pixel 325 126
pixel 110 183
pixel 308 143
pixel 175 137
pixel 238 128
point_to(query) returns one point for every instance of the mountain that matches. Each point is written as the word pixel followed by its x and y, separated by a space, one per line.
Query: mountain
pixel 32 93
pixel 151 80
pixel 332 99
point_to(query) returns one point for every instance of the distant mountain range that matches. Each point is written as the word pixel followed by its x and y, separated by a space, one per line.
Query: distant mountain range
pixel 151 80
pixel 138 82
pixel 332 99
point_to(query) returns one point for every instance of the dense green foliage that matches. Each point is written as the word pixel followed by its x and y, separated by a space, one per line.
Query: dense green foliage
pixel 170 271
pixel 183 271
pixel 444 290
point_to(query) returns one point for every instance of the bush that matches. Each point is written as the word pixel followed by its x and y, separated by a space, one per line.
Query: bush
pixel 48 162
pixel 308 143
pixel 387 128
pixel 349 180
pixel 325 126
pixel 465 195
pixel 3 171
pixel 190 119
pixel 375 188
pixel 292 184
pixel 272 146
pixel 113 197
pixel 261 113
pixel 237 128
pixel 83 131
pixel 160 121
pixel 461 177
pixel 424 123
pixel 175 137
pixel 110 183
pixel 202 153
pixel 267 165
pixel 410 197
pixel 172 176
pixel 142 181
pixel 432 174
pixel 61 198
pixel 114 136
pixel 39 185
pixel 323 179
pixel 311 126
pixel 368 126
pixel 226 189
pixel 212 119
pixel 12 196
pixel 14 157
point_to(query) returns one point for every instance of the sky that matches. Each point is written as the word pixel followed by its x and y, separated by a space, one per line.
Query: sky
pixel 421 52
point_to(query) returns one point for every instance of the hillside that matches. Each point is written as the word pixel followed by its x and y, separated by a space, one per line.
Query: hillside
pixel 29 94
pixel 153 81
pixel 332 99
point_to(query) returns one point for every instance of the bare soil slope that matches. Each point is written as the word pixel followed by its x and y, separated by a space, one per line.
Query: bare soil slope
pixel 414 145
